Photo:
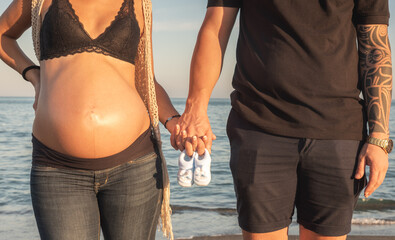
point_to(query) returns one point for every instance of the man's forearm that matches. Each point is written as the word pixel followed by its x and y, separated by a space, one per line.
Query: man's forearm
pixel 205 70
pixel 375 68
pixel 208 55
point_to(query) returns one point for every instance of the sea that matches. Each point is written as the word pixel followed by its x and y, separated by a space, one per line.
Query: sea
pixel 197 211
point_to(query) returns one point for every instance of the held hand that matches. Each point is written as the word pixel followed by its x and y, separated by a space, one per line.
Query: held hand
pixel 174 130
pixel 191 144
pixel 195 133
pixel 377 160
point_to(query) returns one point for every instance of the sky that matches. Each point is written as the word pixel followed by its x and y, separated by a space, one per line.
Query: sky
pixel 175 27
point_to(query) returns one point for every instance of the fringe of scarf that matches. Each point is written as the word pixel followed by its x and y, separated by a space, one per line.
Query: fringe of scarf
pixel 145 85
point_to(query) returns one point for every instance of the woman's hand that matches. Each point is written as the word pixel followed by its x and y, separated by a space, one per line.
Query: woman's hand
pixel 34 78
pixel 37 90
pixel 173 128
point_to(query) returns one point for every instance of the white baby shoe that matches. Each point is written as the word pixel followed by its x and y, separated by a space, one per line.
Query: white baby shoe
pixel 185 169
pixel 202 169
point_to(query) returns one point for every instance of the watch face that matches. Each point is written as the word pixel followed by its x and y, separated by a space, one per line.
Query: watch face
pixel 390 146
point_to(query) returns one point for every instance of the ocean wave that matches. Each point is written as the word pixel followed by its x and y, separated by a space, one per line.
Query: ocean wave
pixel 367 204
pixel 372 221
pixel 231 211
pixel 222 211
pixel 362 206
pixel 17 212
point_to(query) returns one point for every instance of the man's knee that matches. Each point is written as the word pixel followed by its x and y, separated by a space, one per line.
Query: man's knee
pixel 281 234
pixel 306 234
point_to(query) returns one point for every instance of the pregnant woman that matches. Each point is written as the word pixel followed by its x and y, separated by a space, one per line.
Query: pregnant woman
pixel 97 163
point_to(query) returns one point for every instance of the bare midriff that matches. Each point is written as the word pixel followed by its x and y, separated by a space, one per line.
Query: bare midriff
pixel 88 106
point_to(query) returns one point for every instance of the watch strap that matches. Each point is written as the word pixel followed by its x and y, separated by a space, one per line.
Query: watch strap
pixel 385 144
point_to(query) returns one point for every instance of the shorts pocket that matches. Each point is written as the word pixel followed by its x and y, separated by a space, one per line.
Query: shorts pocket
pixel 43 168
pixel 359 185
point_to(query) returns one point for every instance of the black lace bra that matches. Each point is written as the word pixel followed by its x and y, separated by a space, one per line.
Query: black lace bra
pixel 63 34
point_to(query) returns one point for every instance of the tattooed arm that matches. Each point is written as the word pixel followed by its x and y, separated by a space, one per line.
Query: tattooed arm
pixel 376 73
pixel 375 70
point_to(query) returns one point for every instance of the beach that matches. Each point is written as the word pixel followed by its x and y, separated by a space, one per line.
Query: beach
pixel 197 211
pixel 239 237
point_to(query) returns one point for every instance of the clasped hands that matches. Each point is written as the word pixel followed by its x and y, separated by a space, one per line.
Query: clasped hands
pixel 192 133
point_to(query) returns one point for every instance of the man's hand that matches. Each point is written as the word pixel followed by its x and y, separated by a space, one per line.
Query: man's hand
pixel 377 160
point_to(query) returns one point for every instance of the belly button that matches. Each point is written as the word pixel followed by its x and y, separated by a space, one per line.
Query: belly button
pixel 93 116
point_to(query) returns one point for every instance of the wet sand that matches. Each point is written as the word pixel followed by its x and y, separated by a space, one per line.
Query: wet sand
pixel 238 237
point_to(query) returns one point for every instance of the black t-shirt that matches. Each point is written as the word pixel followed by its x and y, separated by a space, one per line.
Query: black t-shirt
pixel 297 65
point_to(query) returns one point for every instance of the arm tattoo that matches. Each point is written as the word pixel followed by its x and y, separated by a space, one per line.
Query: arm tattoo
pixel 375 71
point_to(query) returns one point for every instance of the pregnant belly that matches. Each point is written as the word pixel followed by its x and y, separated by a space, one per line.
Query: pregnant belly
pixel 91 120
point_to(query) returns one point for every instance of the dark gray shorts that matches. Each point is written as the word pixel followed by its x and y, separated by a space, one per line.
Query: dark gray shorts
pixel 273 174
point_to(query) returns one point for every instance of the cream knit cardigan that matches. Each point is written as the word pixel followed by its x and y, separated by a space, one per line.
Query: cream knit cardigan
pixel 145 85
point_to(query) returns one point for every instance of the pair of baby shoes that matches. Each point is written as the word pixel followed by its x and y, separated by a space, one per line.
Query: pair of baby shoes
pixel 194 169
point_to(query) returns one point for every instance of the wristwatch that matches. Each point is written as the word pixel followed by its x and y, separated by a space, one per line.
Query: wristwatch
pixel 385 144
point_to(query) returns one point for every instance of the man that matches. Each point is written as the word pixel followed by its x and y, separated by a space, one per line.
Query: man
pixel 297 127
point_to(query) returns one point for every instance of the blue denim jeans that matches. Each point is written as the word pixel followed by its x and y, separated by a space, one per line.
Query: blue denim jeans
pixel 73 204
